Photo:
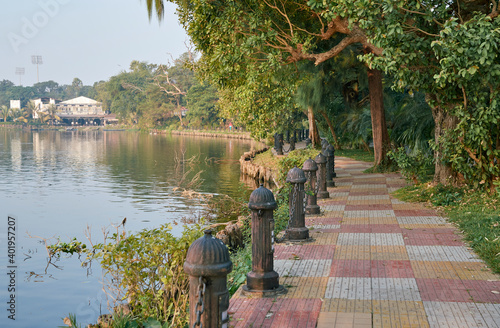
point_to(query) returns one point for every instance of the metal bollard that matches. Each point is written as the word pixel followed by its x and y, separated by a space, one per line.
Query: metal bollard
pixel 280 142
pixel 278 145
pixel 324 144
pixel 297 229
pixel 310 167
pixel 329 167
pixel 262 280
pixel 287 136
pixel 207 264
pixel 321 176
pixel 292 142
pixel 333 161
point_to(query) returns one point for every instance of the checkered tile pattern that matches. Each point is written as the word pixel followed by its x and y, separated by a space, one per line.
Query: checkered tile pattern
pixel 375 261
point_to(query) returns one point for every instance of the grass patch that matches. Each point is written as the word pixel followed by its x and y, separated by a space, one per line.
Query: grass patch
pixel 357 154
pixel 266 159
pixel 475 213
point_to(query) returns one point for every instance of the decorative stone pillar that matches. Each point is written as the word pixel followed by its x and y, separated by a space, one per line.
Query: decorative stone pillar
pixel 329 167
pixel 321 176
pixel 262 280
pixel 310 167
pixel 208 264
pixel 297 229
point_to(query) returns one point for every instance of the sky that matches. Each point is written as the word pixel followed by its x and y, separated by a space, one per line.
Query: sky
pixel 88 39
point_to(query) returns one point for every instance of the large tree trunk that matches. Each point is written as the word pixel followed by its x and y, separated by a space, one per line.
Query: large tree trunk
pixel 313 129
pixel 332 130
pixel 381 141
pixel 443 121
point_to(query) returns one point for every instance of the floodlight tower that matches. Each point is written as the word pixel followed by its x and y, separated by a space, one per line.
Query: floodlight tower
pixel 20 72
pixel 37 60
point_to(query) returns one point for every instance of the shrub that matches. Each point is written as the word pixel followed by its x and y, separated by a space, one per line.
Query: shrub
pixel 416 167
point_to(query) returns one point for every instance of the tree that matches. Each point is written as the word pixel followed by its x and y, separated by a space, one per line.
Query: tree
pixel 241 40
pixel 449 51
pixel 201 100
pixel 446 49
pixel 51 114
pixel 74 90
pixel 5 112
pixel 29 110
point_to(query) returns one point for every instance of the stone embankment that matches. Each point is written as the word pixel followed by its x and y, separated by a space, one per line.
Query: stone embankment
pixel 257 172
pixel 236 135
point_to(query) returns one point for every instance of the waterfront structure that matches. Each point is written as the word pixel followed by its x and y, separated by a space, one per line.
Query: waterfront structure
pixel 83 111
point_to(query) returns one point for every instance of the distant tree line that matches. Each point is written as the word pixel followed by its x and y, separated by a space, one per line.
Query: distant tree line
pixel 150 95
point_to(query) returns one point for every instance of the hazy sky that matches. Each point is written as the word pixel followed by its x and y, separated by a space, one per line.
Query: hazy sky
pixel 89 39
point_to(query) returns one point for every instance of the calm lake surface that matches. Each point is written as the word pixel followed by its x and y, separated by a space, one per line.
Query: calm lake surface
pixel 56 184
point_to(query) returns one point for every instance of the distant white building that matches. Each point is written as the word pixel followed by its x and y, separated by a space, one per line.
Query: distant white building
pixel 84 111
pixel 15 104
pixel 43 104
pixel 80 106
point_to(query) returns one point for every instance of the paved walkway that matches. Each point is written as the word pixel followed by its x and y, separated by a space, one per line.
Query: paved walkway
pixel 375 262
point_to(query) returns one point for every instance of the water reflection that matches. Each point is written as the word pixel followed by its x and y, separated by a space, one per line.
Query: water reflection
pixel 60 183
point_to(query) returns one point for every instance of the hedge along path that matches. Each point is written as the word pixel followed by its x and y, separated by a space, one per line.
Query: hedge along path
pixel 375 262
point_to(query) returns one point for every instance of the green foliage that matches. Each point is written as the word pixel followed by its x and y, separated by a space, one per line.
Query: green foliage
pixel 294 158
pixel 74 246
pixel 242 264
pixel 477 215
pixel 146 270
pixel 120 320
pixel 416 167
pixel 148 266
pixel 202 99
pixel 469 54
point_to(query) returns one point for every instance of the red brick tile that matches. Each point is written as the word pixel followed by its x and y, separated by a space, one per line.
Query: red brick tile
pixel 483 291
pixel 443 290
pixel 391 269
pixel 370 228
pixel 444 239
pixel 351 268
pixel 386 228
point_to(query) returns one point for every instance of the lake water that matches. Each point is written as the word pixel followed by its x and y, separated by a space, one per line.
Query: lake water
pixel 56 184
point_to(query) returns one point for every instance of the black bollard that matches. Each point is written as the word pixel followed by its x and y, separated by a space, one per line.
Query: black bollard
pixel 292 142
pixel 297 229
pixel 262 280
pixel 280 142
pixel 333 161
pixel 310 167
pixel 277 145
pixel 321 176
pixel 324 144
pixel 287 136
pixel 208 264
pixel 329 167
